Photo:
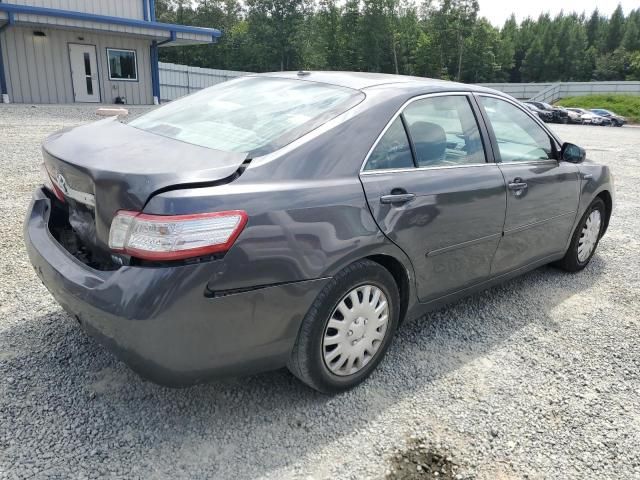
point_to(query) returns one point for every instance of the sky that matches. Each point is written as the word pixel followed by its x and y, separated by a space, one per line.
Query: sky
pixel 497 11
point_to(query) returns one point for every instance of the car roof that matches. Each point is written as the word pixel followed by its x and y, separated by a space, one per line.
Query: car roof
pixel 363 80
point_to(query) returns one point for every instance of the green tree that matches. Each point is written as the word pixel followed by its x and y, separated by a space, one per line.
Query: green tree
pixel 594 27
pixel 615 29
pixel 611 66
pixel 631 38
pixel 350 36
pixel 436 38
pixel 534 62
pixel 634 66
pixel 274 26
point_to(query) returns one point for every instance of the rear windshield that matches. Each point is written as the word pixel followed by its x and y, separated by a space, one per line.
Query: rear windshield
pixel 251 114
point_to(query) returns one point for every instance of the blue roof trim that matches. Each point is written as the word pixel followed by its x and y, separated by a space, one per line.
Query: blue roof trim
pixel 91 17
pixel 152 10
pixel 11 20
pixel 3 78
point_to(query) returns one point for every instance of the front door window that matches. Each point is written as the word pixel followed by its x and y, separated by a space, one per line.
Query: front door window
pixel 519 137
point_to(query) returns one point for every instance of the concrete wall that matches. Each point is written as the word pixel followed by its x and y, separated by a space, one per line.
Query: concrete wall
pixel 521 91
pixel 114 8
pixel 551 92
pixel 38 69
pixel 179 80
pixel 577 89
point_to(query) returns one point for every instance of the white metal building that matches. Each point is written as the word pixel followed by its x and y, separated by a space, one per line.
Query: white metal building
pixel 101 51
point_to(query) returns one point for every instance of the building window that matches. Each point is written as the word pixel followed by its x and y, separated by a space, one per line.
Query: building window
pixel 122 64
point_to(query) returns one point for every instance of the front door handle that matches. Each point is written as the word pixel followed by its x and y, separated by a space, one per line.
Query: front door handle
pixel 397 198
pixel 518 186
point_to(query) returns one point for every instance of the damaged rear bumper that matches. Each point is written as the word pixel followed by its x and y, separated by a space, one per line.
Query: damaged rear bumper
pixel 163 322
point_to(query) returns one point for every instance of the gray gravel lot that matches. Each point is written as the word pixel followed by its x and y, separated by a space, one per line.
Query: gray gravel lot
pixel 538 378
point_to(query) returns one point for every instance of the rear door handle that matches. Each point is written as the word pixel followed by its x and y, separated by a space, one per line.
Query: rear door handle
pixel 397 198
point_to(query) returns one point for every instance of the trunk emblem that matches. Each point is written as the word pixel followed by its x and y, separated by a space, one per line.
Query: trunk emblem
pixel 82 197
pixel 62 183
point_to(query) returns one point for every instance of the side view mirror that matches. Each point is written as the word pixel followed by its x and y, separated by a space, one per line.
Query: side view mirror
pixel 572 153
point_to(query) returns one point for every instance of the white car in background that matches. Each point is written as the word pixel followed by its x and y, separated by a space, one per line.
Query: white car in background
pixel 590 118
pixel 574 117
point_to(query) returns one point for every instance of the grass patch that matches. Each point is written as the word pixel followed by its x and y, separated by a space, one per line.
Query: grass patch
pixel 625 105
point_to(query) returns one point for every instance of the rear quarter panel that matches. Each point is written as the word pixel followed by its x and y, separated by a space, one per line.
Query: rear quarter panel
pixel 308 216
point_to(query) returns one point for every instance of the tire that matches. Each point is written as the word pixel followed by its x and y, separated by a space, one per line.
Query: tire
pixel 572 261
pixel 307 360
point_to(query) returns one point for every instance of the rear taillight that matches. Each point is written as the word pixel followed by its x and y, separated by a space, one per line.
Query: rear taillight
pixel 175 237
pixel 49 184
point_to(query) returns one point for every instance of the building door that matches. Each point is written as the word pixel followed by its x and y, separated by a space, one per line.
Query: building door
pixel 84 73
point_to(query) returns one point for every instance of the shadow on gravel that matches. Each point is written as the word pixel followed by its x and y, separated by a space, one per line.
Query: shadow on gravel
pixel 69 387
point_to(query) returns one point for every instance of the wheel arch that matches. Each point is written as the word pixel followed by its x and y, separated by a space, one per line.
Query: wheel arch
pixel 606 197
pixel 401 277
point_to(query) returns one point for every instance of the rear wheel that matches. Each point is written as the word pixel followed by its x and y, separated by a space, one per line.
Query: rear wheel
pixel 348 329
pixel 586 238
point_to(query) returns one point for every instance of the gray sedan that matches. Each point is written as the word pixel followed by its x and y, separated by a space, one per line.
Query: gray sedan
pixel 297 219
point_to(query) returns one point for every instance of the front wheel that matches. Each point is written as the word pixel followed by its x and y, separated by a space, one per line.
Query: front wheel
pixel 348 328
pixel 586 238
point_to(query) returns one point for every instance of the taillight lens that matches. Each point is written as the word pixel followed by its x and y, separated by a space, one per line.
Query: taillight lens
pixel 175 237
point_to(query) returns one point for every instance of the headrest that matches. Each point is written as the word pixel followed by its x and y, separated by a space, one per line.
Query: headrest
pixel 430 141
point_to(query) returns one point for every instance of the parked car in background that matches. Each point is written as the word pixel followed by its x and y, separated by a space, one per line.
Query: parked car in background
pixel 229 232
pixel 590 118
pixel 559 115
pixel 573 116
pixel 616 120
pixel 544 115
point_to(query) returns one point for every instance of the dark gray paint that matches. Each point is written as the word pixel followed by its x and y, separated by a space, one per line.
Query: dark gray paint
pixel 160 321
pixel 539 220
pixel 309 217
pixel 450 230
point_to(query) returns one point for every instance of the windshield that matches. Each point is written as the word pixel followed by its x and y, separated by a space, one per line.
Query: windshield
pixel 251 114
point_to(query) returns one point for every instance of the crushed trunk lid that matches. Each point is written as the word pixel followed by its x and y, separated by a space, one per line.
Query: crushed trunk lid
pixel 119 167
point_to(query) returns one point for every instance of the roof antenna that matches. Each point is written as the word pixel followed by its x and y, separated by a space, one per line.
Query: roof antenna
pixel 303 73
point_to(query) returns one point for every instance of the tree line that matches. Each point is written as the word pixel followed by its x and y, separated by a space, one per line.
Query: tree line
pixel 445 39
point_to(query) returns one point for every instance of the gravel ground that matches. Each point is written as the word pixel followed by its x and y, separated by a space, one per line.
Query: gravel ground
pixel 538 378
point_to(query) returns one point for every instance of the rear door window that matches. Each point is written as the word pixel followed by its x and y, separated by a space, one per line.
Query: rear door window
pixel 444 132
pixel 392 151
pixel 256 115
